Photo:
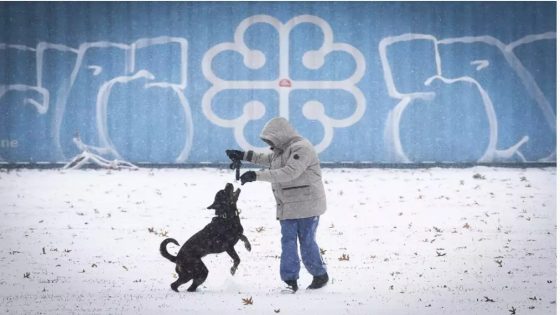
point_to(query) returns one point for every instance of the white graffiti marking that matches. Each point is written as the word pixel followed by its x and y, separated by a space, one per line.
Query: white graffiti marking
pixel 492 153
pixel 480 64
pixel 491 150
pixel 41 107
pixel 284 84
pixel 38 95
pixel 96 70
pixel 130 73
pixel 508 50
pixel 102 101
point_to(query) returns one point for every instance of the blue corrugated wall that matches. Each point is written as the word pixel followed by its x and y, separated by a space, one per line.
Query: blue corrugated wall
pixel 177 82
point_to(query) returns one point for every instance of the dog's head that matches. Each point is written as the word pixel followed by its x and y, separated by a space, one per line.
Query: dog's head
pixel 225 201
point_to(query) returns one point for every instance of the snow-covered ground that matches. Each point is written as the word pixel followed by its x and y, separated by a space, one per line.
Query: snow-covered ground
pixel 397 241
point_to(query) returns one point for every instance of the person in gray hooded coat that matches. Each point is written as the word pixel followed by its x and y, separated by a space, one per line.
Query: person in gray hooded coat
pixel 295 175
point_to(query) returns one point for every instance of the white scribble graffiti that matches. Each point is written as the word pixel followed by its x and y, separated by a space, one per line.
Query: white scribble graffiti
pixel 480 64
pixel 492 153
pixel 41 106
pixel 44 98
pixel 284 84
pixel 130 73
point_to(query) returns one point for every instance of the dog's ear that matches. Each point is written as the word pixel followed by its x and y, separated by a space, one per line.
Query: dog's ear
pixel 236 195
pixel 219 198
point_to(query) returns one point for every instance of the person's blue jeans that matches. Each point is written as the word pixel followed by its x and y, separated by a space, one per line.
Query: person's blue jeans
pixel 304 231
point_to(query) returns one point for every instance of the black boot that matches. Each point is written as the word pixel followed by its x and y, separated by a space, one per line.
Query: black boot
pixel 319 281
pixel 292 285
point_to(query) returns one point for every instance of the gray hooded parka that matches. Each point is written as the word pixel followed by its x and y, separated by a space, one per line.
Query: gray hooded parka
pixel 294 172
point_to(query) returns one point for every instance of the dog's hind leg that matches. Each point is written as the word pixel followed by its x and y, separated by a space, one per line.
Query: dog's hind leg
pixel 246 241
pixel 184 277
pixel 182 280
pixel 199 276
pixel 233 254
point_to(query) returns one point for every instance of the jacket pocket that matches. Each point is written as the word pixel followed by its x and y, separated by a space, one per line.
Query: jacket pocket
pixel 296 193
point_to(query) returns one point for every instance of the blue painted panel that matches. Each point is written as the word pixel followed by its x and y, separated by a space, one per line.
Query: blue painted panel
pixel 364 81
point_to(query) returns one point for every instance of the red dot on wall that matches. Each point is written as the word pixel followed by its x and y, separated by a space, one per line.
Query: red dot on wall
pixel 285 83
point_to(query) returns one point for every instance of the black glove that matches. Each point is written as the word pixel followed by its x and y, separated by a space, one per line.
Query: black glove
pixel 248 176
pixel 235 155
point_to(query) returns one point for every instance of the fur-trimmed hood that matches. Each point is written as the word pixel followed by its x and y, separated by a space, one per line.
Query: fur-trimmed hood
pixel 279 131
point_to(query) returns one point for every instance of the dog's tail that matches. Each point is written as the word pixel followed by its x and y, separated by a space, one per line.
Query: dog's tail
pixel 163 249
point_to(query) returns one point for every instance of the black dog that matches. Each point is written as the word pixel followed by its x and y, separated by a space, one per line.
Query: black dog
pixel 218 236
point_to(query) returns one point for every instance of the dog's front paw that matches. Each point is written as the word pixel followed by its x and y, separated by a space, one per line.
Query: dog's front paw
pixel 233 270
pixel 248 246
